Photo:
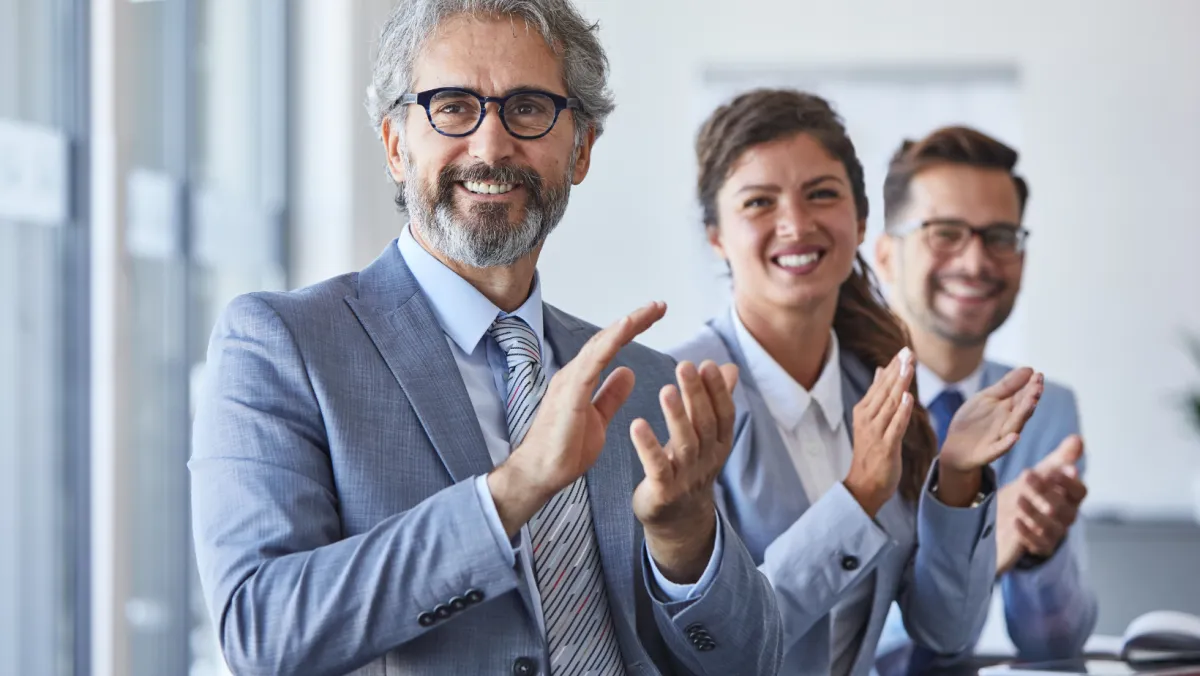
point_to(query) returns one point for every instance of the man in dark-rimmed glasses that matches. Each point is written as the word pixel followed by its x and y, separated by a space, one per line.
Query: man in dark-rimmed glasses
pixel 421 468
pixel 952 254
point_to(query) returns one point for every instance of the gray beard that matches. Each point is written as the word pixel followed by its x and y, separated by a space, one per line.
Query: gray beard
pixel 484 238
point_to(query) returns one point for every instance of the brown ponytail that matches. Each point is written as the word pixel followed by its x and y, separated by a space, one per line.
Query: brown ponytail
pixel 868 330
pixel 864 325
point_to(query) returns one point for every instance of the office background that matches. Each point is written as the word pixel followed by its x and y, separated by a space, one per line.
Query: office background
pixel 158 157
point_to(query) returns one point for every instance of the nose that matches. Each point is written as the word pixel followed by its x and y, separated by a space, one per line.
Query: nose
pixel 975 260
pixel 491 143
pixel 792 221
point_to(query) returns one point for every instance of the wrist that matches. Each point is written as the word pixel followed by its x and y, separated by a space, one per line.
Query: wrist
pixel 870 499
pixel 517 498
pixel 958 487
pixel 681 552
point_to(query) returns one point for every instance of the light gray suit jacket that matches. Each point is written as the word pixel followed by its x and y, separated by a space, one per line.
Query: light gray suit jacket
pixel 335 517
pixel 814 553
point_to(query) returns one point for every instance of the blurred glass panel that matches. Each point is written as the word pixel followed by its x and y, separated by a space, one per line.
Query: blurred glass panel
pixel 37 505
pixel 237 202
pixel 155 513
pixel 205 198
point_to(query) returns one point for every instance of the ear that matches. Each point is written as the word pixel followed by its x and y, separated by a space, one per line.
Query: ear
pixel 885 253
pixel 862 230
pixel 714 240
pixel 584 161
pixel 391 146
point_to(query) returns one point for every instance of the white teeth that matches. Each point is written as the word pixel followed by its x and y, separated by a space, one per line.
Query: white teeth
pixel 798 260
pixel 966 290
pixel 488 188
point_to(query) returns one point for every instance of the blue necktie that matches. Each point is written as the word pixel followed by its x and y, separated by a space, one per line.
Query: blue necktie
pixel 941 411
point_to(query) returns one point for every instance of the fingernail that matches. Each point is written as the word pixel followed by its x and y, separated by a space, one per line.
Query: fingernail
pixel 877 372
pixel 905 399
pixel 905 360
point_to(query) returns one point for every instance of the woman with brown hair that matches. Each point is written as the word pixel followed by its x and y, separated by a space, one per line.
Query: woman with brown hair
pixel 832 480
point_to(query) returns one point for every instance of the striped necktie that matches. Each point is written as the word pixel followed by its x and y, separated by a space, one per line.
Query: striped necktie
pixel 566 558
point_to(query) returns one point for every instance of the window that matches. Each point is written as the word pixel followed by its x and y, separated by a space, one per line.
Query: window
pixel 43 345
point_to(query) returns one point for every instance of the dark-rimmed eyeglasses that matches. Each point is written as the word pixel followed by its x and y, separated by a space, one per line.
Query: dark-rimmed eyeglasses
pixel 453 111
pixel 950 236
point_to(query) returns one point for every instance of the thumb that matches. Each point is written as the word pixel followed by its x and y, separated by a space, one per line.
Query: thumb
pixel 1067 454
pixel 613 393
pixel 1010 384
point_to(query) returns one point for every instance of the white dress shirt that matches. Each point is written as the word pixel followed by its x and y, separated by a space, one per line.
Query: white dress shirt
pixel 465 316
pixel 814 432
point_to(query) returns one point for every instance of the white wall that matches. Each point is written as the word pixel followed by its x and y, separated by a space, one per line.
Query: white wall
pixel 1110 119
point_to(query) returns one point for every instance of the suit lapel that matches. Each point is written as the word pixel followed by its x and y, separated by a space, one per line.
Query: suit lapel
pixel 610 484
pixel 395 314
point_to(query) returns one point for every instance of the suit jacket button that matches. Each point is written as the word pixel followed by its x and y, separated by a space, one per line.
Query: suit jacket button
pixel 458 604
pixel 524 666
pixel 426 619
pixel 473 596
pixel 849 562
pixel 442 611
pixel 706 645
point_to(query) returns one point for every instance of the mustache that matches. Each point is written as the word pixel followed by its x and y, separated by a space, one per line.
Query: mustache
pixel 492 173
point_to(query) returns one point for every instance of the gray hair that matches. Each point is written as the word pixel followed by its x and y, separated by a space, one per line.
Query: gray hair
pixel 585 66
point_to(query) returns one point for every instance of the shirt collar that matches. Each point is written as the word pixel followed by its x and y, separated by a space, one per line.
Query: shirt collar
pixel 464 313
pixel 929 385
pixel 787 399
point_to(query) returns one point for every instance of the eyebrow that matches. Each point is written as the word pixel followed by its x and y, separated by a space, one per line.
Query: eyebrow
pixel 771 187
pixel 508 92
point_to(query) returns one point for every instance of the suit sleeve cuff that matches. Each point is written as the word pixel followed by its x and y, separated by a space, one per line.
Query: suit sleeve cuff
pixel 958 528
pixel 509 547
pixel 672 592
pixel 1047 586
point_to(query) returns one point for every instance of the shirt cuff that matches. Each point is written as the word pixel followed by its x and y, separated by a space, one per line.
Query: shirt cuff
pixel 686 592
pixel 509 547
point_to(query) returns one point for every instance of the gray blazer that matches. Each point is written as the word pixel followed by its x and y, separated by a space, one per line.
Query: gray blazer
pixel 814 553
pixel 333 506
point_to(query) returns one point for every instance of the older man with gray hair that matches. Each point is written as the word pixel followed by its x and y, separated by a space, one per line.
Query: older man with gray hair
pixel 408 470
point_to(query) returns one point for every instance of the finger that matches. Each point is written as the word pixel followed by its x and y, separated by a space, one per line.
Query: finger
pixel 878 395
pixel 655 462
pixel 1034 538
pixel 1040 512
pixel 1010 384
pixel 999 447
pixel 1068 452
pixel 612 394
pixel 1048 500
pixel 595 355
pixel 697 404
pixel 683 444
pixel 874 396
pixel 899 422
pixel 721 396
pixel 1024 405
pixel 1067 482
pixel 729 372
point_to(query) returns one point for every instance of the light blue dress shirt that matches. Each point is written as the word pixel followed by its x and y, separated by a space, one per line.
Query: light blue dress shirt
pixel 465 316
